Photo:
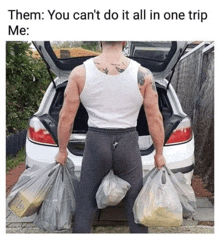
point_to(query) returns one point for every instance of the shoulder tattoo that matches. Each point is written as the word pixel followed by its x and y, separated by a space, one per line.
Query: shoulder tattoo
pixel 140 78
pixel 142 73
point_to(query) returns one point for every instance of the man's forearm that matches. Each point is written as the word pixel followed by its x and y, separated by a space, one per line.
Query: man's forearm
pixel 65 127
pixel 66 119
pixel 156 130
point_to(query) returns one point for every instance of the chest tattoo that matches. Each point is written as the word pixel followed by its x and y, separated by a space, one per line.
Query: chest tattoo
pixel 120 70
pixel 105 70
pixel 120 67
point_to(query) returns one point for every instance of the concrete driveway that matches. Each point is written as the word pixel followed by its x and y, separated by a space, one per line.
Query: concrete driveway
pixel 112 220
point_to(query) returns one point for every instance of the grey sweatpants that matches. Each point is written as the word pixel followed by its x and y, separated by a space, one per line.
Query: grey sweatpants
pixel 106 149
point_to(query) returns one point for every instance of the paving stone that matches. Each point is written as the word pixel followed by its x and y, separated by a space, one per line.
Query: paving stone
pixel 203 202
pixel 204 214
pixel 24 230
pixel 124 229
pixel 28 225
pixel 8 213
pixel 13 225
pixel 31 230
pixel 12 218
pixel 189 222
pixel 110 229
pixel 183 229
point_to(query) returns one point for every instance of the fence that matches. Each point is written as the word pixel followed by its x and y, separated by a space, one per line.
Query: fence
pixel 194 83
pixel 15 142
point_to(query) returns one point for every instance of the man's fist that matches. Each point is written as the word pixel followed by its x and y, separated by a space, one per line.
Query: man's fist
pixel 61 157
pixel 159 161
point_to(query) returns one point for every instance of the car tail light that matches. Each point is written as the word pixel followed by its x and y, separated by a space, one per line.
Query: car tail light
pixel 38 133
pixel 182 133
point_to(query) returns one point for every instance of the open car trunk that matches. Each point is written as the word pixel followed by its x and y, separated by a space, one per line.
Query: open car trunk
pixel 80 128
pixel 159 57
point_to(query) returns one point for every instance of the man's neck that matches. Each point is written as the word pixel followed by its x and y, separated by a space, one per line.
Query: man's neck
pixel 112 53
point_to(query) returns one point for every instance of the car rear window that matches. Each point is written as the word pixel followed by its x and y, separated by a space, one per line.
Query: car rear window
pixel 151 50
pixel 73 49
pixel 154 55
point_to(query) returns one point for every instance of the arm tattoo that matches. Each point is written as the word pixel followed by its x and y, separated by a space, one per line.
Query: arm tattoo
pixel 71 128
pixel 153 85
pixel 141 79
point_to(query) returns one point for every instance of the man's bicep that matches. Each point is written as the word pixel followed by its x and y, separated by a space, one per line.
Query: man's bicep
pixel 71 96
pixel 151 96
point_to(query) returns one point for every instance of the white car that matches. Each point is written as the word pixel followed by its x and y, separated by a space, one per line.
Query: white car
pixel 160 57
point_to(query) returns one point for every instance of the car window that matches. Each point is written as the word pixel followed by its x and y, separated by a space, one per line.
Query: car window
pixel 154 55
pixel 73 49
pixel 152 50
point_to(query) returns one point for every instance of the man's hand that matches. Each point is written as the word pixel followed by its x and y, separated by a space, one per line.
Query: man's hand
pixel 61 157
pixel 159 161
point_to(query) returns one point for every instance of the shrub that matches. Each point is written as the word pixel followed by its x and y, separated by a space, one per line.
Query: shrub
pixel 26 81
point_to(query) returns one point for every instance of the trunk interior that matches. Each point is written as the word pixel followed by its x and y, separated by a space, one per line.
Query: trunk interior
pixel 77 140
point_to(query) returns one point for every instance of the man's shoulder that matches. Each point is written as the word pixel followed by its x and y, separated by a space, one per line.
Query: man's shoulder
pixel 78 72
pixel 145 71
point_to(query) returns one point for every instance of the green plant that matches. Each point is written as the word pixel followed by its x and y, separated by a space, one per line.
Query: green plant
pixel 26 82
pixel 13 161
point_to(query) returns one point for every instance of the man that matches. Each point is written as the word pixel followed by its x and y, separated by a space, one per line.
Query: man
pixel 112 88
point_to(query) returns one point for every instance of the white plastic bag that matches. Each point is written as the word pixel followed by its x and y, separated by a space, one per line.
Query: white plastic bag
pixel 58 208
pixel 111 190
pixel 158 204
pixel 31 189
pixel 185 192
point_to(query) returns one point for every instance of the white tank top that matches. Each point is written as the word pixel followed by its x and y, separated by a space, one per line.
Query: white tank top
pixel 112 101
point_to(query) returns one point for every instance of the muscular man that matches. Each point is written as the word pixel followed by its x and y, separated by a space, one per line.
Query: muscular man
pixel 112 88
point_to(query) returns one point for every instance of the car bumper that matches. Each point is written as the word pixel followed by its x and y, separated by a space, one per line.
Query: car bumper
pixel 179 158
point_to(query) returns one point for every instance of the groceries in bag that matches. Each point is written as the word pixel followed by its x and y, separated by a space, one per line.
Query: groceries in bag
pixel 158 204
pixel 111 190
pixel 57 210
pixel 185 193
pixel 31 189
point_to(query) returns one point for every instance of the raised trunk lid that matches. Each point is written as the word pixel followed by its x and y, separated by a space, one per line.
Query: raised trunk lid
pixel 158 56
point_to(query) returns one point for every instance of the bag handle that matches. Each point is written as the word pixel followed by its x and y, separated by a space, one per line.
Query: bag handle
pixel 168 170
pixel 163 176
pixel 53 169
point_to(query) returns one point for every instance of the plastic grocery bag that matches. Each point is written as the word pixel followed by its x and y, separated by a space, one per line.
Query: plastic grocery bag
pixel 58 208
pixel 111 190
pixel 31 189
pixel 185 192
pixel 158 204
